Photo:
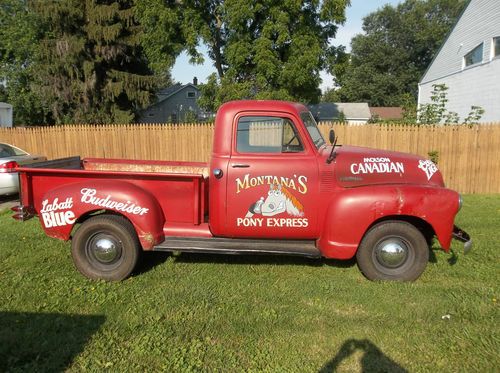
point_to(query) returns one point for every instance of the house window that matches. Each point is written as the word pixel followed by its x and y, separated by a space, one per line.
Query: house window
pixel 496 47
pixel 474 56
pixel 191 94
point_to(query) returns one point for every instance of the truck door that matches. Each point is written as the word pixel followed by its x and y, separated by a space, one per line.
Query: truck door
pixel 272 179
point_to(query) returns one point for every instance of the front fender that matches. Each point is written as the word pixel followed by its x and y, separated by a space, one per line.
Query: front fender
pixel 352 211
pixel 61 208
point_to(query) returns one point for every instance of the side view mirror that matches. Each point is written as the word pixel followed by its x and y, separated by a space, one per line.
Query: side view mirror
pixel 331 136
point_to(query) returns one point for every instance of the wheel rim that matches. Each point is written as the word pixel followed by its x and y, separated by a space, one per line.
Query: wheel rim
pixel 392 252
pixel 104 250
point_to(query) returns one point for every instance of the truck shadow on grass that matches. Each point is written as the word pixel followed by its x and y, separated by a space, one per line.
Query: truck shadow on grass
pixel 43 342
pixel 152 259
pixel 372 358
pixel 452 256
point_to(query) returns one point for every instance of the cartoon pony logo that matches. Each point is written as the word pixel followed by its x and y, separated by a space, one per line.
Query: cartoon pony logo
pixel 279 200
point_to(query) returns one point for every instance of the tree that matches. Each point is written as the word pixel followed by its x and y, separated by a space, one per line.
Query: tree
pixel 261 49
pixel 91 67
pixel 387 61
pixel 330 95
pixel 74 61
pixel 19 33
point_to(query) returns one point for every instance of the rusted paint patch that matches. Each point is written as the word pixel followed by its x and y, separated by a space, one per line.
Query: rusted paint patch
pixel 147 240
pixel 400 201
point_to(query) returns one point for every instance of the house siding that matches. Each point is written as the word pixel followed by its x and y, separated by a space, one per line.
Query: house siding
pixel 178 104
pixel 479 23
pixel 478 84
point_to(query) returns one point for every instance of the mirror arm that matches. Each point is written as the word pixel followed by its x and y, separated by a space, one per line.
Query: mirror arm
pixel 333 139
pixel 332 155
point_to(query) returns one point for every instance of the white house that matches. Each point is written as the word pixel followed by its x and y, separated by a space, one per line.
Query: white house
pixel 5 115
pixel 468 63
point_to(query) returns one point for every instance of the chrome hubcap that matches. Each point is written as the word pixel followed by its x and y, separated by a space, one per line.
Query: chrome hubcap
pixel 392 252
pixel 105 248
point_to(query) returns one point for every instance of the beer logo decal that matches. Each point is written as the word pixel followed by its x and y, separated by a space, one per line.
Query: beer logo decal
pixel 279 207
pixel 428 167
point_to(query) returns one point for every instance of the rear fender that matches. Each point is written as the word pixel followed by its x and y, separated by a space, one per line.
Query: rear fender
pixel 352 211
pixel 61 208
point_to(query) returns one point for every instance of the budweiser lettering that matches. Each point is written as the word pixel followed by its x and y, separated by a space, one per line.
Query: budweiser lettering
pixel 89 197
pixel 53 217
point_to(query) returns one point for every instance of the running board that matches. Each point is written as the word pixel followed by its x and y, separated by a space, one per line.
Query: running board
pixel 237 246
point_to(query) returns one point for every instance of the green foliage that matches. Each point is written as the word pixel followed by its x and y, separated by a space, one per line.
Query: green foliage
pixel 434 112
pixel 330 95
pixel 387 61
pixel 212 313
pixel 265 49
pixel 91 67
pixel 209 98
pixel 75 61
pixel 476 112
pixel 342 118
pixel 19 33
pixel 165 32
pixel 433 156
pixel 190 117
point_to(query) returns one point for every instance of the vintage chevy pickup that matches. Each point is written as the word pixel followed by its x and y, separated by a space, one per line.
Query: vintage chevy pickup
pixel 273 186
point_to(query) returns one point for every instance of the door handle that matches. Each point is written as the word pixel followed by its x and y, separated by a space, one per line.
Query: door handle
pixel 239 165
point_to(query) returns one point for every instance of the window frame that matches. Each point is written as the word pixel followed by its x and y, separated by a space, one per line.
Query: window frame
pixel 282 116
pixel 493 50
pixel 193 92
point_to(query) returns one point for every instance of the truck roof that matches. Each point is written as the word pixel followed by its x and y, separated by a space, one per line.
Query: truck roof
pixel 272 105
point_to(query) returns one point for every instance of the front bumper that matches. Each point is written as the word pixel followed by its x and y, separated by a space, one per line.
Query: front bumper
pixel 464 237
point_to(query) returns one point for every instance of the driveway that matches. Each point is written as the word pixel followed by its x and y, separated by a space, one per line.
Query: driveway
pixel 6 202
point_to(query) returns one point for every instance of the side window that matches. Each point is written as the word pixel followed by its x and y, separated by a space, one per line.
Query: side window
pixel 267 135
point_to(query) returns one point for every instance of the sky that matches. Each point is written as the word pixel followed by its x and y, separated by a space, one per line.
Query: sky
pixel 184 72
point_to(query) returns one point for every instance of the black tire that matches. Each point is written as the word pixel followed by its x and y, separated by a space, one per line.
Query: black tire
pixel 105 247
pixel 393 250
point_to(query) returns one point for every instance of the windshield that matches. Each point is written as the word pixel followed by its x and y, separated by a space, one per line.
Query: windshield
pixel 312 128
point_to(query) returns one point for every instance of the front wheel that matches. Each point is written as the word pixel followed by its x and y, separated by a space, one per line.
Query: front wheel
pixel 393 250
pixel 105 247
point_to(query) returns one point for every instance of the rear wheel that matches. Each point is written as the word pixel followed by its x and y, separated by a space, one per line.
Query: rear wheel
pixel 105 247
pixel 393 250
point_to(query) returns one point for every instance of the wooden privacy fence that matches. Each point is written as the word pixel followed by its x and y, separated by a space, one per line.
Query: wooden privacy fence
pixel 469 158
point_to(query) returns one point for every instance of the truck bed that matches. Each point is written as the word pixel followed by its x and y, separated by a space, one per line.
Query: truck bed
pixel 180 188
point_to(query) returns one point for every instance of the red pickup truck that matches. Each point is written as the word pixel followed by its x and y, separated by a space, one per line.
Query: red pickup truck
pixel 273 186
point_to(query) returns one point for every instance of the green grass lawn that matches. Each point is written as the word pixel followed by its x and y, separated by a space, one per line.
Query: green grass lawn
pixel 226 313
